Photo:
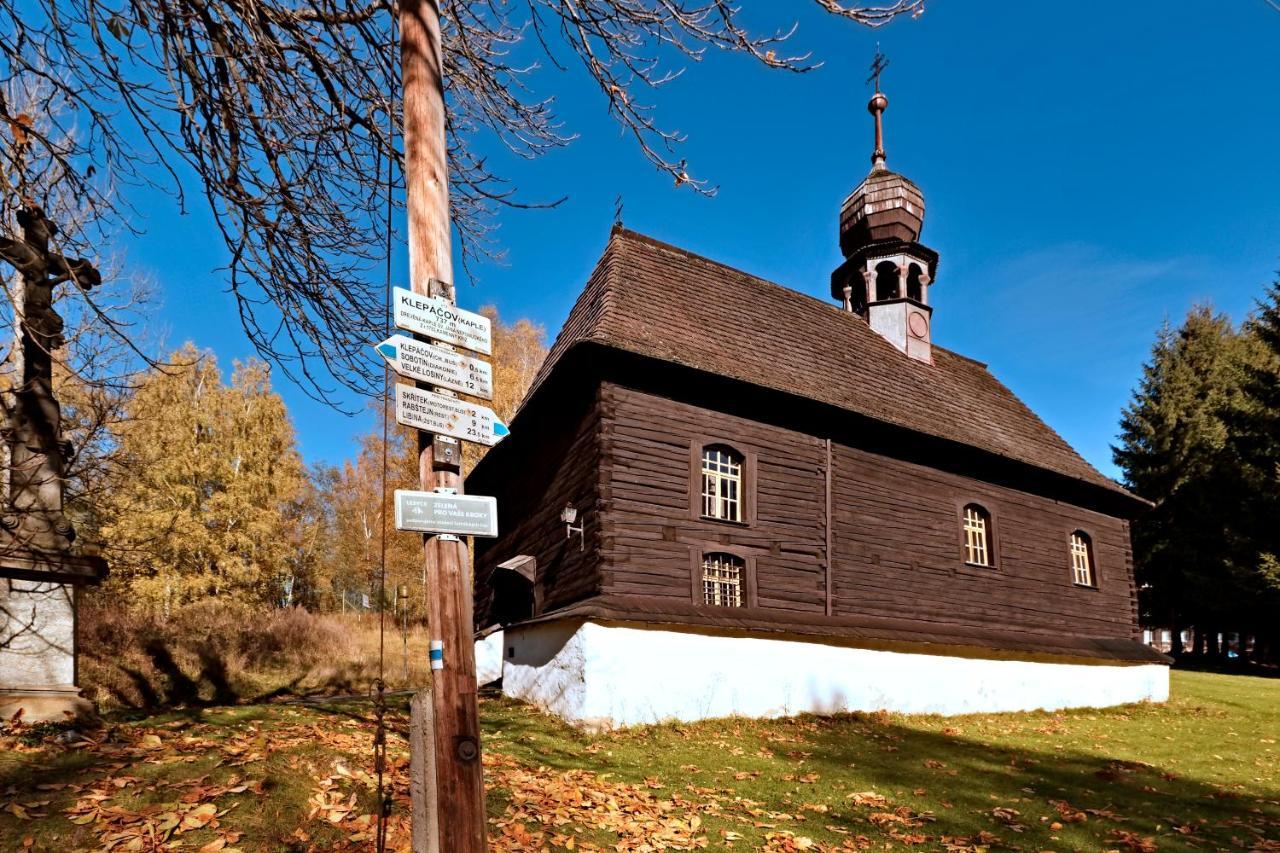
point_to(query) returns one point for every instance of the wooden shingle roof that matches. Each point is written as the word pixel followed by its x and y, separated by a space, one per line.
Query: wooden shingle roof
pixel 656 300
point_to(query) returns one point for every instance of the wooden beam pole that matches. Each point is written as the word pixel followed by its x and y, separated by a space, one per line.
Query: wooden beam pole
pixel 456 794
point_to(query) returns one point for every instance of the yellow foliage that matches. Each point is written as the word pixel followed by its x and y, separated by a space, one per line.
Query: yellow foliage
pixel 211 469
pixel 353 491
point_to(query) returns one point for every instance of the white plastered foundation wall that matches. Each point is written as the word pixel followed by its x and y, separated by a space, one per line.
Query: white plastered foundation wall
pixel 607 675
pixel 489 651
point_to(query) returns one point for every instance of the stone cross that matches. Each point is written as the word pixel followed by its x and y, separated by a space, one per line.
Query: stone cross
pixel 31 519
pixel 40 570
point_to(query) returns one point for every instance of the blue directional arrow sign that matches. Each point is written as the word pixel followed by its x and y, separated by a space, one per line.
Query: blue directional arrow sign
pixel 450 416
pixel 444 368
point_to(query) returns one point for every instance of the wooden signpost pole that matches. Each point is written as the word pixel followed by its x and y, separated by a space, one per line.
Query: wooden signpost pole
pixel 448 811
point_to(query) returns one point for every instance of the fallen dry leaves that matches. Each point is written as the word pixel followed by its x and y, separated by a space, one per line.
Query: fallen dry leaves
pixel 544 805
pixel 140 792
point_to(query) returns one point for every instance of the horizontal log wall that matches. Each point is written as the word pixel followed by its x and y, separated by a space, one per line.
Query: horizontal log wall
pixel 899 552
pixel 652 539
pixel 895 534
pixel 535 476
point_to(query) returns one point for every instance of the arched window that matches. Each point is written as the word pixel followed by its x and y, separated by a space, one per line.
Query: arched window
pixel 978 549
pixel 1082 559
pixel 886 281
pixel 722 580
pixel 914 290
pixel 721 483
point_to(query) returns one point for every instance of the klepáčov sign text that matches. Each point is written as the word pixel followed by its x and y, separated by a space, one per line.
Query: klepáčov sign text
pixel 441 320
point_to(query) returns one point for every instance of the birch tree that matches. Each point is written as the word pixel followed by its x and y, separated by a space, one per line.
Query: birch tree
pixel 213 469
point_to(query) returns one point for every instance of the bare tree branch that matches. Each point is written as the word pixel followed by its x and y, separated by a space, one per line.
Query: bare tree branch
pixel 280 110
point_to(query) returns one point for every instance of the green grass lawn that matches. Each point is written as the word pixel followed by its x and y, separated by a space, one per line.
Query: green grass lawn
pixel 1199 773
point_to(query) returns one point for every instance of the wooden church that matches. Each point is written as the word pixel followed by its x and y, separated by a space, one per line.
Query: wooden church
pixel 722 496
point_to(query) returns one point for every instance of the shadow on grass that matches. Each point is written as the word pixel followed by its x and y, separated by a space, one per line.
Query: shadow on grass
pixel 958 780
pixel 67 764
pixel 976 777
pixel 174 674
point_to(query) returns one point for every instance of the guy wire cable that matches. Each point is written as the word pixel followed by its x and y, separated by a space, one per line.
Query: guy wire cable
pixel 380 735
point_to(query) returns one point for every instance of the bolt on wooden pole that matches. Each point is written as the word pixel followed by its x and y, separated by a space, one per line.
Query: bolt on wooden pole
pixel 450 806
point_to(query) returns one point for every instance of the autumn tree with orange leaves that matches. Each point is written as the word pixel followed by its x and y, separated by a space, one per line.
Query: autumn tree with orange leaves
pixel 353 492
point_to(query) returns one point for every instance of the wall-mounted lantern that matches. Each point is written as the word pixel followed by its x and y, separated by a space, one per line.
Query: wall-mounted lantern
pixel 569 515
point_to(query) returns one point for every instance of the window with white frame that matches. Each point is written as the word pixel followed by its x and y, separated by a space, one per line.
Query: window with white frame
pixel 1081 559
pixel 721 483
pixel 977 536
pixel 722 578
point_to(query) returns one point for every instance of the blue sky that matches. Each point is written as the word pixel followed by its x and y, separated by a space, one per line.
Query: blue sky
pixel 1089 169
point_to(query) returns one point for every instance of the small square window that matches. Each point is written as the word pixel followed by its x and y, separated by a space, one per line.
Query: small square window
pixel 722 576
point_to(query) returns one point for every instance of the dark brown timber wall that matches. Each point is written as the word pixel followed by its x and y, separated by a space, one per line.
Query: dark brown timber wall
pixel 653 537
pixel 895 538
pixel 533 475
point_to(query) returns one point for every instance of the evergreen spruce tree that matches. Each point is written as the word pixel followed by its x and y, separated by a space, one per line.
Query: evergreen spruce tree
pixel 1173 449
pixel 1255 429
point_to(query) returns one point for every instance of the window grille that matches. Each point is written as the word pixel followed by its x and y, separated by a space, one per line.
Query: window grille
pixel 722 580
pixel 721 484
pixel 1081 559
pixel 977 536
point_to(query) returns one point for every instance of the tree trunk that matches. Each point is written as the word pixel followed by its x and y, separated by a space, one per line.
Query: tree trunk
pixel 1213 643
pixel 1175 641
pixel 1198 647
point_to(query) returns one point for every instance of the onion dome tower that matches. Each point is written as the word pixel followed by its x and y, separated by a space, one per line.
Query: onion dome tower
pixel 886 274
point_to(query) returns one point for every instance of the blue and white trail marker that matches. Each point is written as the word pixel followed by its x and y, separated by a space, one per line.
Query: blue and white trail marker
pixel 438 366
pixel 450 416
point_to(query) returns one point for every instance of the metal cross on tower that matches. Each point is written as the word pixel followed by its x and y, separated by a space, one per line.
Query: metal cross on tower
pixel 878 65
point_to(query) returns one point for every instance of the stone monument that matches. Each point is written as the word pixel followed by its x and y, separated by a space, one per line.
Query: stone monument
pixel 41 564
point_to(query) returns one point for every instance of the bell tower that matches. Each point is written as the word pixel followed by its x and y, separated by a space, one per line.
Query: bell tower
pixel 886 273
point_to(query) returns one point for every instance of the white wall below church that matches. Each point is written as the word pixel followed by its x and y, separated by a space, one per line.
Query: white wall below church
pixel 601 676
pixel 489 651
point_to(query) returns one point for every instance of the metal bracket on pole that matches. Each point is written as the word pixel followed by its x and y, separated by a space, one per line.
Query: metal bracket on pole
pixel 442 289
